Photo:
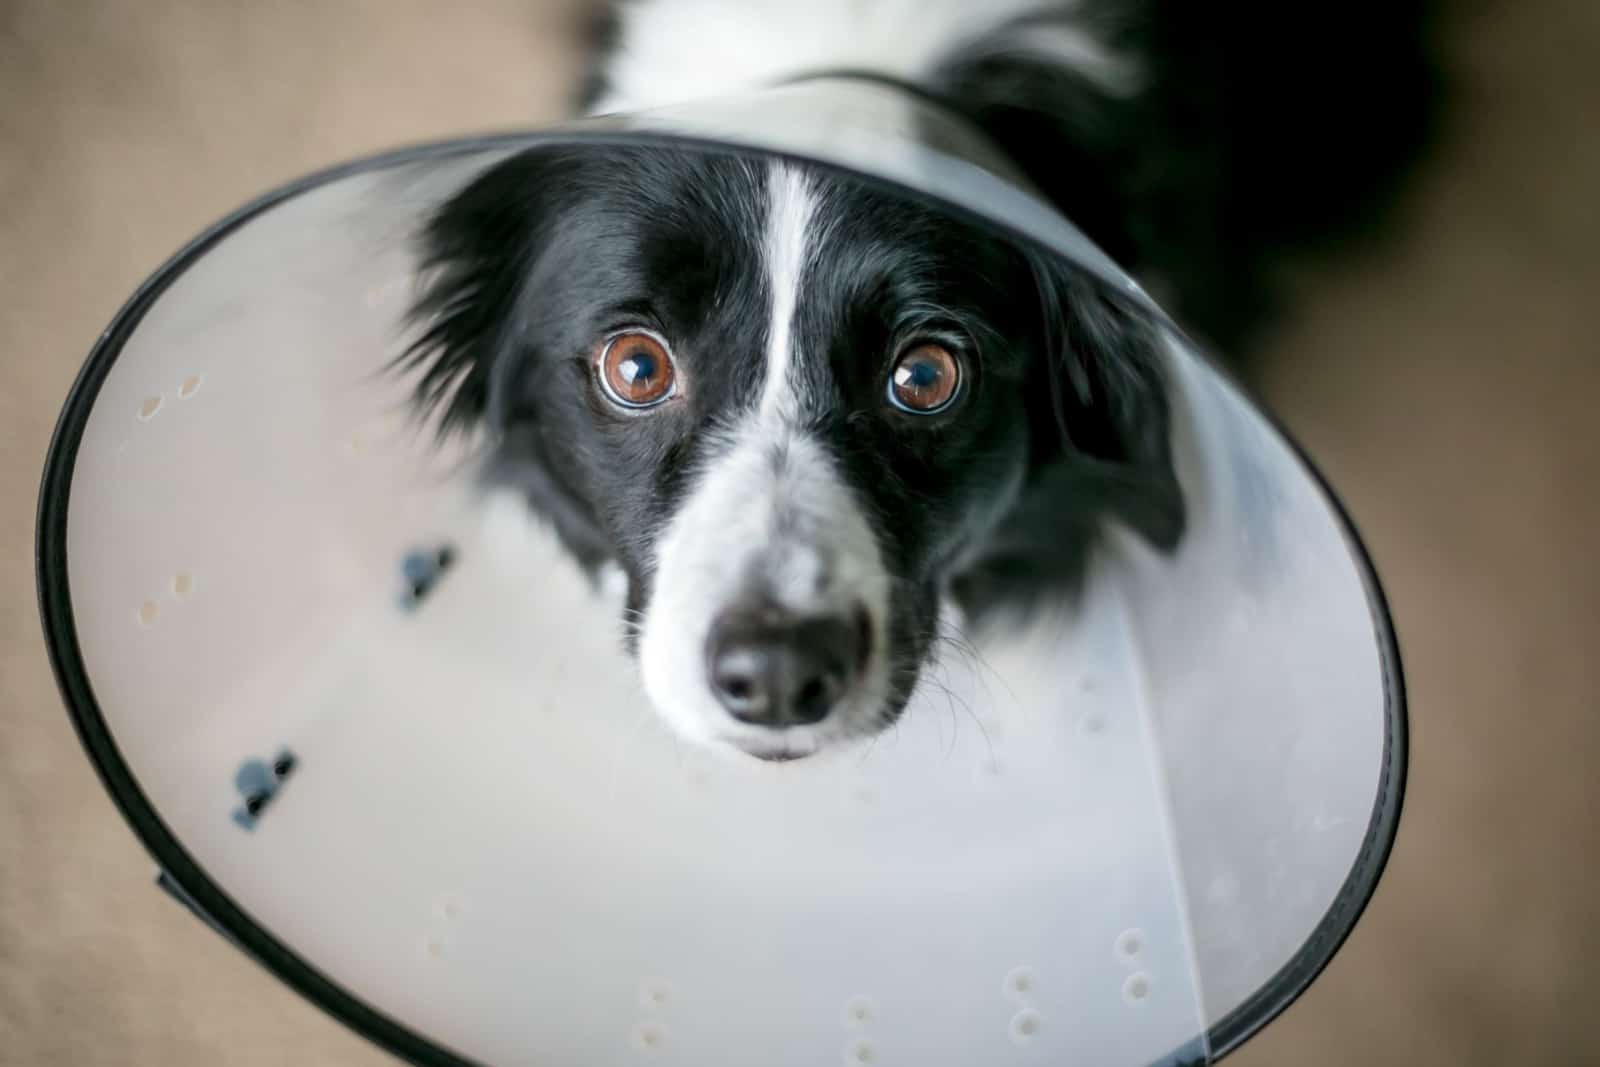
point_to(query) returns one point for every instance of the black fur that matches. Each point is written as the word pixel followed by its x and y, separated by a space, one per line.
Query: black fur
pixel 546 253
pixel 1200 179
pixel 550 250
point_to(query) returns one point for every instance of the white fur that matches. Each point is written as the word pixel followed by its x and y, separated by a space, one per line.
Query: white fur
pixel 770 514
pixel 791 207
pixel 672 51
pixel 748 521
pixel 1075 48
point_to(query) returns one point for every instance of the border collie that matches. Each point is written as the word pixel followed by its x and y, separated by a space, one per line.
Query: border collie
pixel 802 416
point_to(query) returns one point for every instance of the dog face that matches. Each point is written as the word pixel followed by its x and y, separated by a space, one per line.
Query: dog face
pixel 798 412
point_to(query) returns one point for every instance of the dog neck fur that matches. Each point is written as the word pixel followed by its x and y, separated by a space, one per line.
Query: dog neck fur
pixel 674 51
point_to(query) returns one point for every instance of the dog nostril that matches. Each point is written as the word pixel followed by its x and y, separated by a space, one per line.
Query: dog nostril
pixel 817 696
pixel 774 670
pixel 739 670
pixel 812 692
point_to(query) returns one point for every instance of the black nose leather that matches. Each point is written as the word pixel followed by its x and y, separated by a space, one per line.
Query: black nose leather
pixel 769 668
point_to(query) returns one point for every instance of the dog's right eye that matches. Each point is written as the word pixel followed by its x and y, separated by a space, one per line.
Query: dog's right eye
pixel 635 370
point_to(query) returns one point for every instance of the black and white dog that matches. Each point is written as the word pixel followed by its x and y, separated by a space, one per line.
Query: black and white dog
pixel 803 416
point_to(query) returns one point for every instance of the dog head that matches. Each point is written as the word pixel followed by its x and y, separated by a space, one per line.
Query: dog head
pixel 799 412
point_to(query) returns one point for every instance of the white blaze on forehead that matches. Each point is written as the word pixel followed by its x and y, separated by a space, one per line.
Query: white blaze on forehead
pixel 791 207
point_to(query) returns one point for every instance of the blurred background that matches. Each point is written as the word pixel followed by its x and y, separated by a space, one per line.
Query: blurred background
pixel 1446 377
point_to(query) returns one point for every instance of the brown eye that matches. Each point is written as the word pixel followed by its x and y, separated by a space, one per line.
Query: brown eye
pixel 636 370
pixel 924 380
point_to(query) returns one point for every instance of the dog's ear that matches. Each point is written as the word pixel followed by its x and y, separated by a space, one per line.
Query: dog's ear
pixel 476 254
pixel 1100 447
pixel 1104 423
pixel 479 258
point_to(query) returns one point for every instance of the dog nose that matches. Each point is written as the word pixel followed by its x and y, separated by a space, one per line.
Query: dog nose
pixel 769 668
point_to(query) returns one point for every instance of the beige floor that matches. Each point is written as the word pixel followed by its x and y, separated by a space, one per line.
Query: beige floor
pixel 1449 382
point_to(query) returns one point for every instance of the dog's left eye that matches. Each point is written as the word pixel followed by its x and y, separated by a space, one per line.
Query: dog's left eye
pixel 925 379
pixel 635 370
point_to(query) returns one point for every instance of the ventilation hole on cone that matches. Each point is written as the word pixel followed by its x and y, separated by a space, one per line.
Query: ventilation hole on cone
pixel 1136 988
pixel 861 1052
pixel 1025 1025
pixel 182 584
pixel 649 1037
pixel 148 612
pixel 858 1012
pixel 1021 983
pixel 190 386
pixel 151 405
pixel 1130 943
pixel 653 994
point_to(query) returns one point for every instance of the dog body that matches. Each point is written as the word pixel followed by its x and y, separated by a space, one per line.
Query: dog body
pixel 804 417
